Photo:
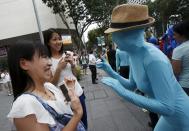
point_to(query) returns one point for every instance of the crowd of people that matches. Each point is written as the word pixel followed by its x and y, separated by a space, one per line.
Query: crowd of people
pixel 46 88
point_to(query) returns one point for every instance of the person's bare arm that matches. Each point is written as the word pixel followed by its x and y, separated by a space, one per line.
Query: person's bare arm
pixel 61 65
pixel 75 104
pixel 176 64
pixel 29 123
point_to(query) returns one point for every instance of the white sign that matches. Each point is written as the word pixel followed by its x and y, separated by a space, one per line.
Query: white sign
pixel 66 39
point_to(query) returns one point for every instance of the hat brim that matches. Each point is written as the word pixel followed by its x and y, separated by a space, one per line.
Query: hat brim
pixel 111 30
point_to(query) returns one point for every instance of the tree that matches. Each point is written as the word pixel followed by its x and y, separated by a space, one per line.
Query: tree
pixel 164 10
pixel 183 8
pixel 92 36
pixel 161 10
pixel 100 11
pixel 74 9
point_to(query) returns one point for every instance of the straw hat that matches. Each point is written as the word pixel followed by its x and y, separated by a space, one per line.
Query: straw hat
pixel 129 16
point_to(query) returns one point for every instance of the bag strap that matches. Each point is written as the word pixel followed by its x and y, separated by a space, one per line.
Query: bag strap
pixel 53 113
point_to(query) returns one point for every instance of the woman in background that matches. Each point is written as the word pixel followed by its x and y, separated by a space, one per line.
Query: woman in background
pixel 180 57
pixel 63 66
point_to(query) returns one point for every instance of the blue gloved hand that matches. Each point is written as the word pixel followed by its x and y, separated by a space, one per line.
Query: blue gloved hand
pixel 104 65
pixel 114 84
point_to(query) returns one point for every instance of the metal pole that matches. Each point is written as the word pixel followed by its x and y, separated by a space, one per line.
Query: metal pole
pixel 38 22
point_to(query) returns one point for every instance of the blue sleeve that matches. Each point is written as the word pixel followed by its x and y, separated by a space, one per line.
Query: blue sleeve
pixel 159 77
pixel 127 83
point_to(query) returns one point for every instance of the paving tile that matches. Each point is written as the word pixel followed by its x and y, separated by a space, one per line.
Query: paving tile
pixel 99 109
pixel 104 123
pixel 99 94
pixel 114 104
pixel 124 120
pixel 89 96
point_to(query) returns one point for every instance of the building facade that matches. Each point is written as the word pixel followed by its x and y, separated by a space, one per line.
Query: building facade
pixel 18 21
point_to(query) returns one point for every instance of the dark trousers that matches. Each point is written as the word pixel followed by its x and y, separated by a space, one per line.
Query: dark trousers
pixel 93 72
pixel 84 117
pixel 154 119
pixel 124 71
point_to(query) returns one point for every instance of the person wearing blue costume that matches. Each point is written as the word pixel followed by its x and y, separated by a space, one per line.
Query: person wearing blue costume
pixel 150 70
pixel 154 41
pixel 169 42
pixel 122 63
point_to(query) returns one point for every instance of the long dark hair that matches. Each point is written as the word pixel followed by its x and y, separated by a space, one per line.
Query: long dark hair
pixel 19 78
pixel 47 36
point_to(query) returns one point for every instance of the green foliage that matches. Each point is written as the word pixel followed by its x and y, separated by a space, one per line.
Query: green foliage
pixel 74 9
pixel 78 73
pixel 161 10
pixel 100 10
pixel 183 8
pixel 92 37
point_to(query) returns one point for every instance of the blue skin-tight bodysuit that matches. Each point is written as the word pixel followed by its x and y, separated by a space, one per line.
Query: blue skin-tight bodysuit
pixel 151 72
pixel 122 59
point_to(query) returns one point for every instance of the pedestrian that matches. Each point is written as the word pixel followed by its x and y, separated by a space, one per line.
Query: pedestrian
pixel 2 80
pixel 92 66
pixel 151 71
pixel 180 57
pixel 111 54
pixel 39 105
pixel 84 62
pixel 63 65
pixel 7 83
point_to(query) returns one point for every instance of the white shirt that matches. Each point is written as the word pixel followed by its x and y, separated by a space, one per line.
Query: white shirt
pixel 92 59
pixel 68 73
pixel 5 77
pixel 27 104
pixel 182 53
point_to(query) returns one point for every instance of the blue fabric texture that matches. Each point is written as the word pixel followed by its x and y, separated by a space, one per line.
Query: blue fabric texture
pixel 61 119
pixel 122 59
pixel 151 72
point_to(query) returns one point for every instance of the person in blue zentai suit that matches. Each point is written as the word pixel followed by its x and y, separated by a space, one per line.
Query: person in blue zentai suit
pixel 151 71
pixel 122 63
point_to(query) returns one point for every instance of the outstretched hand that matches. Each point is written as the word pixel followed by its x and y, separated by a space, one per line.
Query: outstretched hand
pixel 104 65
pixel 114 84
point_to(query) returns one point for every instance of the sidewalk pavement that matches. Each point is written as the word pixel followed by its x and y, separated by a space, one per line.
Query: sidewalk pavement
pixel 109 112
pixel 106 110
pixel 5 104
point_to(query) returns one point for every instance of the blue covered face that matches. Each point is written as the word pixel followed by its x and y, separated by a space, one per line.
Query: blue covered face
pixel 129 40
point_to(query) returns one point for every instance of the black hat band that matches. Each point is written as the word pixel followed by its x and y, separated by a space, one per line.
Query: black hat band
pixel 125 25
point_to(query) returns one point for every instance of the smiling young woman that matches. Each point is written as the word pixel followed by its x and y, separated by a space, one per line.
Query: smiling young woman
pixel 36 102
